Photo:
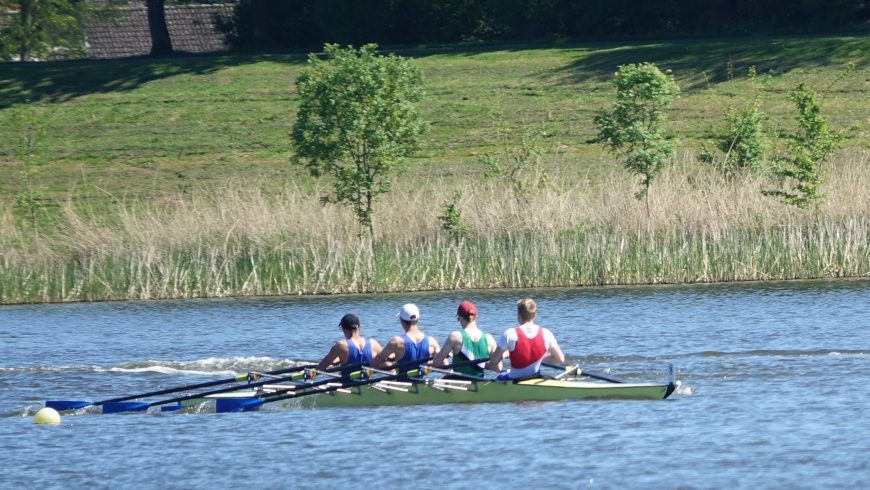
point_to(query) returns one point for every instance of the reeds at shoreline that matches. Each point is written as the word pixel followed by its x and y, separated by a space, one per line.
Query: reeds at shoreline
pixel 241 240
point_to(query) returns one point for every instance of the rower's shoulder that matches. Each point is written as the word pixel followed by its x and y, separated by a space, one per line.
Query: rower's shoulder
pixel 374 341
pixel 340 344
pixel 397 340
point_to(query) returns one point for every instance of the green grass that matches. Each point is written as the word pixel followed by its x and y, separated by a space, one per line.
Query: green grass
pixel 146 129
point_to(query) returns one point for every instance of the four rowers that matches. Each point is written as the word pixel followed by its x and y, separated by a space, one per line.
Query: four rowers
pixel 526 345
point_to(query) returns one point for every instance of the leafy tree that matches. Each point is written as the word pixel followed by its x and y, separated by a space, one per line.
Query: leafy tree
pixel 633 128
pixel 357 122
pixel 801 172
pixel 45 30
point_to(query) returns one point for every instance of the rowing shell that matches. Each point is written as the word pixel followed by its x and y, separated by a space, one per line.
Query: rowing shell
pixel 445 390
pixel 449 391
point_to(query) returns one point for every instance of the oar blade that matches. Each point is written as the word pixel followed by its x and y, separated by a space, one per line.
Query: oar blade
pixel 61 405
pixel 172 408
pixel 224 405
pixel 120 407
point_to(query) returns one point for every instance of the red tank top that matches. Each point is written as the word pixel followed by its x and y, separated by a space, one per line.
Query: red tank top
pixel 528 350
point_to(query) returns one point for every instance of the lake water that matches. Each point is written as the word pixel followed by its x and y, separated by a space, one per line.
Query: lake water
pixel 775 394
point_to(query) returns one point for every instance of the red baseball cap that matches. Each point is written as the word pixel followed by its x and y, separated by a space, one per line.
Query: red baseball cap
pixel 466 309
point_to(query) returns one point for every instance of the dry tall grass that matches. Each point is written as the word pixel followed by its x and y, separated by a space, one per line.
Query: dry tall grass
pixel 238 240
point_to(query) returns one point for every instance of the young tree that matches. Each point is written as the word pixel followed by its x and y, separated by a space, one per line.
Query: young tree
pixel 743 144
pixel 44 29
pixel 633 128
pixel 801 172
pixel 357 122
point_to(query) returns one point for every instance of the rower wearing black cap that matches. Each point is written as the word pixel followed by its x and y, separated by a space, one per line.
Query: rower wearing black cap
pixel 353 349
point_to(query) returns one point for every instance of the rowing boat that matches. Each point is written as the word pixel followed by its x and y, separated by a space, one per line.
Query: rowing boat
pixel 369 387
pixel 440 390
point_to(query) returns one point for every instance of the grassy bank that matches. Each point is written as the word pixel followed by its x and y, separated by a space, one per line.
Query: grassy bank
pixel 170 178
pixel 239 241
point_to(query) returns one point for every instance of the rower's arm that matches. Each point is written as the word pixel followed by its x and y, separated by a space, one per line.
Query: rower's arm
pixel 433 346
pixel 332 357
pixel 449 348
pixel 495 358
pixel 556 353
pixel 376 347
pixel 490 340
pixel 392 351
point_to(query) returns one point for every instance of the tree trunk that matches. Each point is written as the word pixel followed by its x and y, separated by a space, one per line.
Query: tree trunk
pixel 24 20
pixel 161 44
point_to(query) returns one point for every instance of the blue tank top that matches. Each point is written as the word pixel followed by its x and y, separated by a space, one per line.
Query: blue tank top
pixel 355 357
pixel 413 352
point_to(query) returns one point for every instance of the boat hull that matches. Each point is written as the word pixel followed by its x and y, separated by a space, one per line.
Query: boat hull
pixel 485 392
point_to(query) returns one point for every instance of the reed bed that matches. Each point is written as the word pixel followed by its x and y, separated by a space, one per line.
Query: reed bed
pixel 239 239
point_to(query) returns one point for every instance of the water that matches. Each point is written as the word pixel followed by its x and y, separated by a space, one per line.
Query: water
pixel 775 384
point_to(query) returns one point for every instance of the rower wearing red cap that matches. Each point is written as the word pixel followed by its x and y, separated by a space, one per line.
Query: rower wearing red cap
pixel 526 344
pixel 413 345
pixel 467 344
pixel 353 349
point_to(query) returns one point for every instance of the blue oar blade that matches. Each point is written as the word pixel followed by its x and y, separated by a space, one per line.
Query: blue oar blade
pixel 172 408
pixel 61 405
pixel 119 407
pixel 223 405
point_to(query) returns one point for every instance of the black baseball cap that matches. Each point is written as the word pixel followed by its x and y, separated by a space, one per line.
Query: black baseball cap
pixel 349 321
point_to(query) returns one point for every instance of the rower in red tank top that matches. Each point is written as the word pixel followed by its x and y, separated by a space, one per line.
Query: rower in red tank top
pixel 527 345
pixel 527 351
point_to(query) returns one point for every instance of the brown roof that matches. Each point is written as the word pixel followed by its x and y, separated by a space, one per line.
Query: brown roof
pixel 192 28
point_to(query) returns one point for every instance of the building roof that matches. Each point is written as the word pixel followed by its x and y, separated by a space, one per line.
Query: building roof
pixel 192 28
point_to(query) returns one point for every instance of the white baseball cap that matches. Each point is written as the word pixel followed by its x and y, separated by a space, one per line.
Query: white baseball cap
pixel 409 312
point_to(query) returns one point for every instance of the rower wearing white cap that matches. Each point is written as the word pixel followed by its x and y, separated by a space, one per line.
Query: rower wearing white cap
pixel 414 344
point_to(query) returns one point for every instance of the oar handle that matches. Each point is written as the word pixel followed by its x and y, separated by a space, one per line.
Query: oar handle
pixel 363 382
pixel 244 405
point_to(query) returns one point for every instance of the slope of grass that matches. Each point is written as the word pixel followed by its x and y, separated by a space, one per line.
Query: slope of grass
pixel 148 128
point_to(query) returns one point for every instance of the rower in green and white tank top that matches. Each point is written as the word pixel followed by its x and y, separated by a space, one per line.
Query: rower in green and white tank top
pixel 470 351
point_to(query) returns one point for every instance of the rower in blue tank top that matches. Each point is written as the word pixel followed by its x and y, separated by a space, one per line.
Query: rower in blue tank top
pixel 352 350
pixel 413 345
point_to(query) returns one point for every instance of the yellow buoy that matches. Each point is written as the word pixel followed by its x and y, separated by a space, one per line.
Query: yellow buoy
pixel 47 415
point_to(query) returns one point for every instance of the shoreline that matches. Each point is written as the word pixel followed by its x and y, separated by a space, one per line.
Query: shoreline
pixel 843 279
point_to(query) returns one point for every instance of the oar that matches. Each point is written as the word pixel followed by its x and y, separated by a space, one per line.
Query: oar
pixel 223 405
pixel 125 406
pixel 584 373
pixel 61 405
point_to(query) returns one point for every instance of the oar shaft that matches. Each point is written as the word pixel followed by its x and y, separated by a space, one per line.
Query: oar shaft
pixel 271 381
pixel 584 373
pixel 197 385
